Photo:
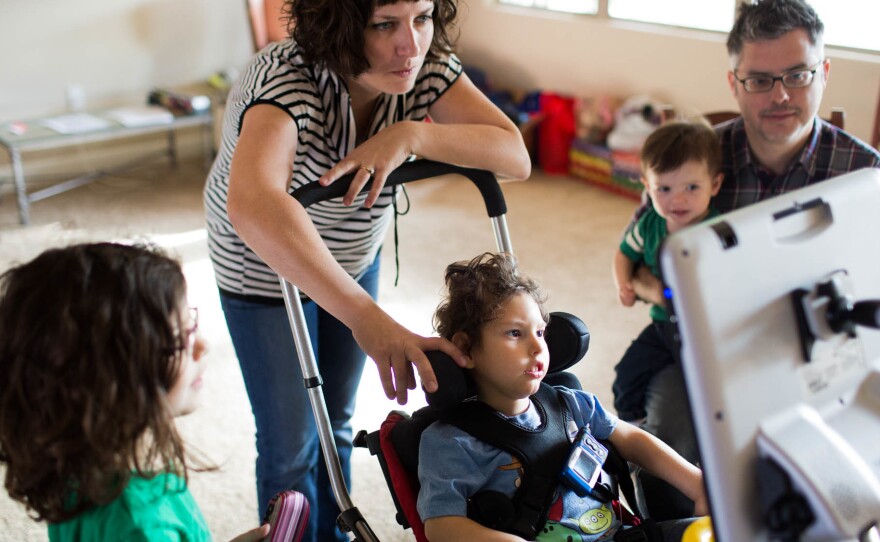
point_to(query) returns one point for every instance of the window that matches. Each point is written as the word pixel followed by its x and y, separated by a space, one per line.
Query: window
pixel 841 27
pixel 571 6
pixel 690 13
pixel 850 23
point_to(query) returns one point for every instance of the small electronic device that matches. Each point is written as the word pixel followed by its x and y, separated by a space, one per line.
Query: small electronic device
pixel 288 514
pixel 583 469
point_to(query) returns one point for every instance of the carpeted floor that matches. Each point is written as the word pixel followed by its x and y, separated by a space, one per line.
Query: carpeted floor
pixel 563 231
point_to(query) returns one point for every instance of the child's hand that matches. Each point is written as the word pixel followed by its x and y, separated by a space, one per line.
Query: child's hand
pixel 701 505
pixel 254 535
pixel 627 295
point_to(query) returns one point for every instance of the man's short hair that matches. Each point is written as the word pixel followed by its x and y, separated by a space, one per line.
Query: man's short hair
pixel 760 20
pixel 673 144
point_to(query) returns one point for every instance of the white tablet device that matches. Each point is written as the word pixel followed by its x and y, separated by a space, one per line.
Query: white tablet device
pixel 765 298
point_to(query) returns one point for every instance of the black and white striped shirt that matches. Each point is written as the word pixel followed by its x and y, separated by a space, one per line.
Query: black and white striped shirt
pixel 317 100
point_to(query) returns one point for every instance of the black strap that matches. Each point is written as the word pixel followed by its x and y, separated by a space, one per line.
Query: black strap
pixel 646 531
pixel 396 241
pixel 542 451
pixel 618 468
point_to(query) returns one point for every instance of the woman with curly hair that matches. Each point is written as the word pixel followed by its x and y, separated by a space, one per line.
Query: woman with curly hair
pixel 99 353
pixel 348 92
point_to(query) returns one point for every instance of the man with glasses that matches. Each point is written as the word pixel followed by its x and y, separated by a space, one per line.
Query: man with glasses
pixel 778 75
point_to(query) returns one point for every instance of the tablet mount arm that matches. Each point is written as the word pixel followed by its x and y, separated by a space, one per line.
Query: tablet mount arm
pixel 829 309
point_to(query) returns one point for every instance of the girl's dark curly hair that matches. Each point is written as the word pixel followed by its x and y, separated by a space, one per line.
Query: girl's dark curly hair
pixel 89 348
pixel 332 31
pixel 476 290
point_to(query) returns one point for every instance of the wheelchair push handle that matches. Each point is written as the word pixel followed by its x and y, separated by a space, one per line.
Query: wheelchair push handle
pixel 411 171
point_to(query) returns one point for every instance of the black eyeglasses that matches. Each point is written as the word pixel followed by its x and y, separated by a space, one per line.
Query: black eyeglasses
pixel 792 79
pixel 187 339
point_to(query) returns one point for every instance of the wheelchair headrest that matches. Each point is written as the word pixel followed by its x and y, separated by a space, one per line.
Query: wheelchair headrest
pixel 568 340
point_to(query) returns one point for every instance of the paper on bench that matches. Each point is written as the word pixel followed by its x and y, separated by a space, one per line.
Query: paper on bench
pixel 144 115
pixel 76 123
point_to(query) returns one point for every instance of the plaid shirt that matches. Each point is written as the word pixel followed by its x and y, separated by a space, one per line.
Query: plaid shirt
pixel 828 153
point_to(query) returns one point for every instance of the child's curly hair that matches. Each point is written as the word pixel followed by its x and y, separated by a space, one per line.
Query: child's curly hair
pixel 476 289
pixel 90 345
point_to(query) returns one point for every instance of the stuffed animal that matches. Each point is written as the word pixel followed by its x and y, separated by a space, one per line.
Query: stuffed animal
pixel 635 119
pixel 594 118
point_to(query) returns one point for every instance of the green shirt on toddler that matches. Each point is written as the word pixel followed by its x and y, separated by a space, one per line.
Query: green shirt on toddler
pixel 641 244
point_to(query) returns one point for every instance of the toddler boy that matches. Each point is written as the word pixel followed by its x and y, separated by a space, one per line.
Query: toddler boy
pixel 681 171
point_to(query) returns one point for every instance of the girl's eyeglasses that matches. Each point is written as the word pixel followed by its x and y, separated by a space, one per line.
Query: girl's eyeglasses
pixel 188 338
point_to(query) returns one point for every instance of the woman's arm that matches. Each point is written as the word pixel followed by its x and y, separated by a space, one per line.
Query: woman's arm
pixel 466 130
pixel 655 456
pixel 278 229
pixel 458 528
pixel 471 131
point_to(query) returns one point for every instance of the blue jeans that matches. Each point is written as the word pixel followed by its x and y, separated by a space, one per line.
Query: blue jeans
pixel 288 451
pixel 652 351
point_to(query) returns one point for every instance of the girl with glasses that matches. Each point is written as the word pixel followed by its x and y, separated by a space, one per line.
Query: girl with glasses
pixel 99 353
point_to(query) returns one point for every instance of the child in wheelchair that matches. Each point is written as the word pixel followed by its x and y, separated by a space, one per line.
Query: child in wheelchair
pixel 545 481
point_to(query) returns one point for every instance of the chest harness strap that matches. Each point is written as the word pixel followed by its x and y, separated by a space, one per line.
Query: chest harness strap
pixel 542 451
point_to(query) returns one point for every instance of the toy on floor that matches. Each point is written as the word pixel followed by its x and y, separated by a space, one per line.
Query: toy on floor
pixel 634 121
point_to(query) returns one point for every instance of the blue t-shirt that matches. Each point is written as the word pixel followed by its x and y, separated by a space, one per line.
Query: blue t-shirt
pixel 453 466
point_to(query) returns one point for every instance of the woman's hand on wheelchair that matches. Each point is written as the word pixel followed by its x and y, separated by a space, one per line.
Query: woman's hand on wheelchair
pixel 373 159
pixel 395 350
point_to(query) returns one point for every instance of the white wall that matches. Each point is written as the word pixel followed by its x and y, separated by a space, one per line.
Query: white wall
pixel 115 49
pixel 118 49
pixel 582 55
